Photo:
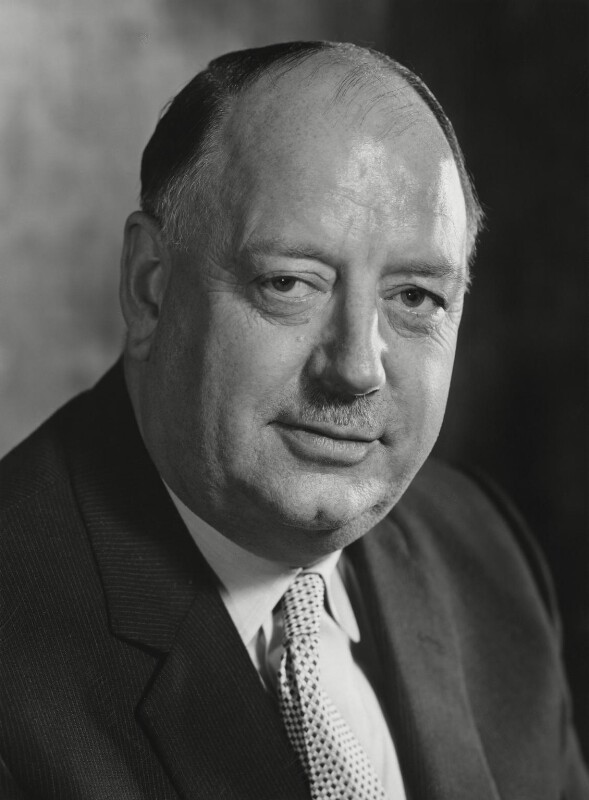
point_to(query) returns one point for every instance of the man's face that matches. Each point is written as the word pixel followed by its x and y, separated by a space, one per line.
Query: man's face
pixel 302 361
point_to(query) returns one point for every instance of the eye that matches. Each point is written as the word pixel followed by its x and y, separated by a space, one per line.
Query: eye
pixel 413 298
pixel 289 285
pixel 420 301
pixel 283 283
pixel 415 309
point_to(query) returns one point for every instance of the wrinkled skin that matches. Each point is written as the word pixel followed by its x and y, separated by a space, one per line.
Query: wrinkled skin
pixel 290 376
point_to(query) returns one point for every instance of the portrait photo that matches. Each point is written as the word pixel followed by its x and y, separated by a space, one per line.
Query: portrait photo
pixel 294 386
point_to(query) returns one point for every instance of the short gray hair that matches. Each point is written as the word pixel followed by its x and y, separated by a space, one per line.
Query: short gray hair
pixel 178 162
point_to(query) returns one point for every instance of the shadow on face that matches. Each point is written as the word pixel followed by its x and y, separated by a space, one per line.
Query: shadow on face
pixel 292 374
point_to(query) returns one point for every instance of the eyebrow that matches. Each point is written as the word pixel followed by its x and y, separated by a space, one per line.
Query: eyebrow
pixel 435 268
pixel 439 268
pixel 280 247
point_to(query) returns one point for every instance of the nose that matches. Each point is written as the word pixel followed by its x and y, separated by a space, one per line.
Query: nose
pixel 349 360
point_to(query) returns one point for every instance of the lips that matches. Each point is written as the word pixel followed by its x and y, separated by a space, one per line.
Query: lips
pixel 334 431
pixel 327 444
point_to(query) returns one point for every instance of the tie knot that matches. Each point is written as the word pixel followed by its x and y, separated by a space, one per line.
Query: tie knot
pixel 302 605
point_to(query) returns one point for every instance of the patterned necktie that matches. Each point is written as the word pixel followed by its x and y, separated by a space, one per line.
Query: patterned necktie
pixel 335 763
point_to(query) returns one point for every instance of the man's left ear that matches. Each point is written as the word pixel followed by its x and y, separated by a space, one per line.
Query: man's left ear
pixel 144 276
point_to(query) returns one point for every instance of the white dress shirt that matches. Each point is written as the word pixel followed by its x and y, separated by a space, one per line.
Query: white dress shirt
pixel 251 589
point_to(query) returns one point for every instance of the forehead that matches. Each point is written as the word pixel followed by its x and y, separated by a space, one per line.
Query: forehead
pixel 321 137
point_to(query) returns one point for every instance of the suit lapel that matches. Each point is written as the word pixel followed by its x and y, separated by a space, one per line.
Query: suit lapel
pixel 146 558
pixel 216 730
pixel 439 749
pixel 212 723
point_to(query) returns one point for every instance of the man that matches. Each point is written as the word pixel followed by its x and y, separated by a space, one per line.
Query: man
pixel 207 594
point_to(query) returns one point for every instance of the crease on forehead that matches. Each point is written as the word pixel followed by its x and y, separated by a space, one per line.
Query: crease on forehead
pixel 275 122
pixel 330 90
pixel 324 95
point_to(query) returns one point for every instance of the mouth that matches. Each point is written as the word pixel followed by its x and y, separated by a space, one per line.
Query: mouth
pixel 347 434
pixel 327 444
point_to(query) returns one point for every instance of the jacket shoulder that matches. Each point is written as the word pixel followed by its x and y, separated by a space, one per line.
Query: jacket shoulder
pixel 469 516
pixel 38 463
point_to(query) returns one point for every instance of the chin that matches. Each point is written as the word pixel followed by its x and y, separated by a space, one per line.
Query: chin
pixel 299 516
pixel 327 503
pixel 311 539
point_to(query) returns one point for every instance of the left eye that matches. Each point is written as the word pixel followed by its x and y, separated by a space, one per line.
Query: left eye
pixel 413 298
pixel 419 299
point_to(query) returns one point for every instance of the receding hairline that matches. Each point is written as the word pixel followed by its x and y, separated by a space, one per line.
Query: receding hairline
pixel 358 87
pixel 264 117
pixel 364 70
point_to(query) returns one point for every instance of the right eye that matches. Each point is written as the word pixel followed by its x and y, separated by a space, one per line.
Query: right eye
pixel 289 285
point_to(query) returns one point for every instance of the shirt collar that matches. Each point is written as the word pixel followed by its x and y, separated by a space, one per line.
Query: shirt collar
pixel 251 586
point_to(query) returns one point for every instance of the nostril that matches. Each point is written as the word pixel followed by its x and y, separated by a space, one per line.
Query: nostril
pixel 358 373
pixel 348 360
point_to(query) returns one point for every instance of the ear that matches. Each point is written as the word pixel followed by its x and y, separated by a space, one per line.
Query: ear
pixel 144 276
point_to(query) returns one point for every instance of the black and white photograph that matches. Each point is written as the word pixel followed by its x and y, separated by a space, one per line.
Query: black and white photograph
pixel 294 390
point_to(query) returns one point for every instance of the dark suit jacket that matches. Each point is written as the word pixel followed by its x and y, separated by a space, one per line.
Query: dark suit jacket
pixel 123 677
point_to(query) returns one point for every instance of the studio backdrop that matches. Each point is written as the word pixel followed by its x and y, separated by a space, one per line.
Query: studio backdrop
pixel 81 86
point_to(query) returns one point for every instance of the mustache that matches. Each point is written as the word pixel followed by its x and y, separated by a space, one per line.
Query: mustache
pixel 315 404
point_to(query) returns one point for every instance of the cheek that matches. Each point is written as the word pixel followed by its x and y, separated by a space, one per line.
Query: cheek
pixel 421 380
pixel 436 384
pixel 249 361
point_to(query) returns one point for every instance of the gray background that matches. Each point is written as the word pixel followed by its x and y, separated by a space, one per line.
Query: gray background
pixel 81 84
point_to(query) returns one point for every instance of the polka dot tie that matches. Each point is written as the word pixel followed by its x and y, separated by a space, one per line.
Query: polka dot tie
pixel 336 765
